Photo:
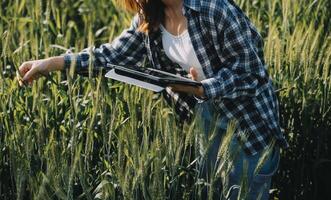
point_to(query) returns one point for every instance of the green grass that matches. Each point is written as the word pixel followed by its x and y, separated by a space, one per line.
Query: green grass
pixel 91 138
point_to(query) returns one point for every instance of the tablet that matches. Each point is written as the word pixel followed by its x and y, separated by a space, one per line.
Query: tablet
pixel 148 78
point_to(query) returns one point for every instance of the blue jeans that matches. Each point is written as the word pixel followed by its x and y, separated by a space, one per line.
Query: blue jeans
pixel 241 173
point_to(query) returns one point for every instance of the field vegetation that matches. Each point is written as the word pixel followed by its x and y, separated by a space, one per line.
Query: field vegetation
pixel 82 137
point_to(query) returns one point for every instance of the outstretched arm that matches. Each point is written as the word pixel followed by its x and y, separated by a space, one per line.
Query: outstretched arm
pixel 126 49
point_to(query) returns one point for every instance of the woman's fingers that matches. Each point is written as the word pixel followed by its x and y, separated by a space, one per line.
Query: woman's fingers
pixel 19 78
pixel 22 71
pixel 32 70
pixel 24 68
pixel 28 77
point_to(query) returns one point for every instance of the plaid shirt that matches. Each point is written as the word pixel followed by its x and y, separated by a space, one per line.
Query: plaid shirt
pixel 230 51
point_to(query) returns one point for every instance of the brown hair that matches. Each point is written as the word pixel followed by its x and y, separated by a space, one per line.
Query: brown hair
pixel 151 13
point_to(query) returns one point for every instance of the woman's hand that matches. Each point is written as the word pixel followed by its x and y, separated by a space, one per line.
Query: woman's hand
pixel 32 70
pixel 197 91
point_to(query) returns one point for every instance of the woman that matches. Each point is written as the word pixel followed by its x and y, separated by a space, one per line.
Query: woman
pixel 214 42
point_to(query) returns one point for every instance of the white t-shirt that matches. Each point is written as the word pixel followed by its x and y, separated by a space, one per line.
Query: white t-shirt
pixel 180 50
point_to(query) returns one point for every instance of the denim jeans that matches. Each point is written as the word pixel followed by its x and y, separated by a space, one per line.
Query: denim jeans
pixel 228 185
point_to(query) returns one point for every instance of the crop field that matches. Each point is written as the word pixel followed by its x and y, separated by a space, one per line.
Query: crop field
pixel 74 136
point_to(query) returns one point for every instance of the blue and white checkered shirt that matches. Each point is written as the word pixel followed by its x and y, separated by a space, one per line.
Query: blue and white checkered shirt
pixel 230 51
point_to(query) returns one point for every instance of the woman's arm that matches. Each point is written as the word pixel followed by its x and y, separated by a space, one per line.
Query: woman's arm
pixel 32 70
pixel 127 49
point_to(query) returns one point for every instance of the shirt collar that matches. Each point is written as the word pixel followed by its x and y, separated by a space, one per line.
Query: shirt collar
pixel 193 4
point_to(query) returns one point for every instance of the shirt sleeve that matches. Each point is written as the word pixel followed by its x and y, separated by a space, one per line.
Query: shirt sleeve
pixel 127 49
pixel 242 66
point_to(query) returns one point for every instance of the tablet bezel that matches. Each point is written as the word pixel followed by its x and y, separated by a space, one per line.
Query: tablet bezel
pixel 169 78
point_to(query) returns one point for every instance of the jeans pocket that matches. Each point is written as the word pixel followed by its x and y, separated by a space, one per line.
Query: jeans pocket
pixel 269 168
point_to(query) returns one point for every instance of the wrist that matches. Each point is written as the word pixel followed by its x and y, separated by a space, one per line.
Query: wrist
pixel 200 93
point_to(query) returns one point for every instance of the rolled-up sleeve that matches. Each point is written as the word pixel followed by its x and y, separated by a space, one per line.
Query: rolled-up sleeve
pixel 242 68
pixel 127 49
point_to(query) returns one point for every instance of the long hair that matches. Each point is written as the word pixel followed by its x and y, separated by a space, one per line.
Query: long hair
pixel 151 13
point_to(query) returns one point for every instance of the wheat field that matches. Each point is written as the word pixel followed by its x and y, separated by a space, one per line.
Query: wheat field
pixel 84 137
